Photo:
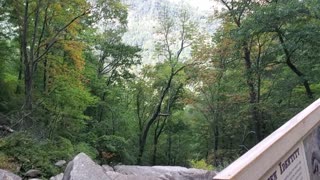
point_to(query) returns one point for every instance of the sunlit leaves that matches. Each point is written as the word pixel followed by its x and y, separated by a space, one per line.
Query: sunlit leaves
pixel 69 98
pixel 74 50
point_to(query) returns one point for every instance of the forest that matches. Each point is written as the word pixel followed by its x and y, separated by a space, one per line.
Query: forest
pixel 70 84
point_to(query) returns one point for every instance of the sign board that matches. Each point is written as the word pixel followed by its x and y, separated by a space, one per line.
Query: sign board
pixel 292 152
pixel 292 167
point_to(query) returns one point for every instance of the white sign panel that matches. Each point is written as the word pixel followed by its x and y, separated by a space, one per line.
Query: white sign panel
pixel 301 163
pixel 292 167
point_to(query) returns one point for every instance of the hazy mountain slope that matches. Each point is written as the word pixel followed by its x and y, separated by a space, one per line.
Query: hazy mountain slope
pixel 142 21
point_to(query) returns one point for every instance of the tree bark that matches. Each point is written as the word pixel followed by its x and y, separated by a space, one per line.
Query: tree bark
pixel 173 63
pixel 45 75
pixel 216 144
pixel 169 149
pixel 289 63
pixel 143 138
pixel 155 148
pixel 157 133
pixel 28 66
pixel 18 88
pixel 252 93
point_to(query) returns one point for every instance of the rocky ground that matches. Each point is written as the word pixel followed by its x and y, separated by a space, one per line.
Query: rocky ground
pixel 84 168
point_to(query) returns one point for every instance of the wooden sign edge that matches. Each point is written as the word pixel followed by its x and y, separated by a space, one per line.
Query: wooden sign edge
pixel 266 153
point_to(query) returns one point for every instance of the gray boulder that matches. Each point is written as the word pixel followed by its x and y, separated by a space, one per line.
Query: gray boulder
pixel 6 175
pixel 33 173
pixel 57 177
pixel 119 176
pixel 60 163
pixel 193 175
pixel 107 168
pixel 139 170
pixel 83 168
pixel 160 173
pixel 124 172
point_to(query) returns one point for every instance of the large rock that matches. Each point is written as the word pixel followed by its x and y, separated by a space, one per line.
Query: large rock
pixel 6 175
pixel 182 173
pixel 119 176
pixel 160 173
pixel 107 168
pixel 139 170
pixel 57 177
pixel 193 175
pixel 60 163
pixel 83 168
pixel 33 173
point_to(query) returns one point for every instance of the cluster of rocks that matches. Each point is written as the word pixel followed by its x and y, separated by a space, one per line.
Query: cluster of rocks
pixel 84 168
pixel 8 175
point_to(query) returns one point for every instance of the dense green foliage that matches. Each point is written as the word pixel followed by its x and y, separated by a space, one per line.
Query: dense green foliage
pixel 68 86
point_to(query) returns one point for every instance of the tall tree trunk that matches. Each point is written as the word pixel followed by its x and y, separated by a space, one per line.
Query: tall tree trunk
pixel 18 88
pixel 293 67
pixel 155 143
pixel 216 144
pixel 143 137
pixel 45 74
pixel 249 77
pixel 28 86
pixel 28 65
pixel 169 149
pixel 217 117
pixel 101 108
pixel 252 93
pixel 155 148
pixel 29 58
pixel 157 133
pixel 141 150
pixel 113 124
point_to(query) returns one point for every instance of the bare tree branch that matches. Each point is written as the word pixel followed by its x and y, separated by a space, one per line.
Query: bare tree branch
pixel 54 38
